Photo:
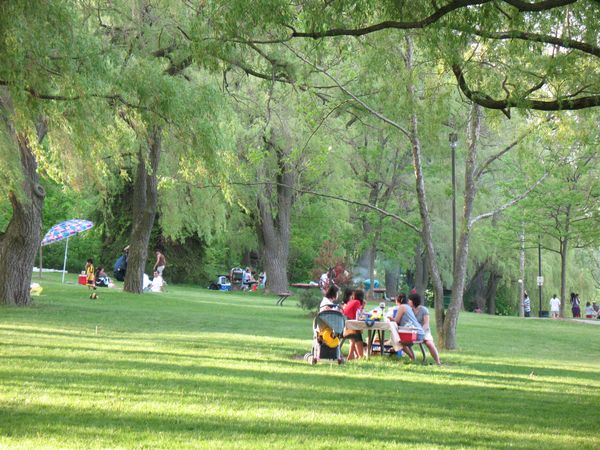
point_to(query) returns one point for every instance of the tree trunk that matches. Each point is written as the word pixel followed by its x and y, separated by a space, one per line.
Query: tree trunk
pixel 460 269
pixel 21 240
pixel 426 233
pixel 275 222
pixel 475 286
pixel 145 198
pixel 421 272
pixel 522 273
pixel 392 278
pixel 490 292
pixel 564 248
pixel 372 254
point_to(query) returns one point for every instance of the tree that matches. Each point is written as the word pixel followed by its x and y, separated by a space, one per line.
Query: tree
pixel 520 54
pixel 48 65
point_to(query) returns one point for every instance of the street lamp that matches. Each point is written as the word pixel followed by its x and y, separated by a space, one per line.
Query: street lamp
pixel 453 139
pixel 540 279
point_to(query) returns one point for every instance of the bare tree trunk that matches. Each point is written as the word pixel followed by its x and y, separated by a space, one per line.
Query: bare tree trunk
pixel 426 233
pixel 490 292
pixel 421 271
pixel 372 255
pixel 564 250
pixel 460 270
pixel 145 199
pixel 21 240
pixel 392 278
pixel 275 210
pixel 475 286
pixel 522 273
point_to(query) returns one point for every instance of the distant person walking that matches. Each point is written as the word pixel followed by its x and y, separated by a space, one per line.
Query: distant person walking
pixel 526 305
pixel 575 305
pixel 555 306
pixel 161 262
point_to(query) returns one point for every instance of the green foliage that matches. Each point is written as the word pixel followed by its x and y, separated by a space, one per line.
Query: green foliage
pixel 309 300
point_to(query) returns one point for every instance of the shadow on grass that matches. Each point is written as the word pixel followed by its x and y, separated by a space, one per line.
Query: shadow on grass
pixel 520 409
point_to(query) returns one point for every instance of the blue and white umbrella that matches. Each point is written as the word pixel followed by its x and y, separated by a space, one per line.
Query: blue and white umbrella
pixel 64 230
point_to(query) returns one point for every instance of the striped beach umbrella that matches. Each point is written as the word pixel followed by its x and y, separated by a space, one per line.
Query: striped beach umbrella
pixel 64 230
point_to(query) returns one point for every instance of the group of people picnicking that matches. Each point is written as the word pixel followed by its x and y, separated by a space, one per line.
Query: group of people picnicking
pixel 592 310
pixel 409 312
pixel 98 278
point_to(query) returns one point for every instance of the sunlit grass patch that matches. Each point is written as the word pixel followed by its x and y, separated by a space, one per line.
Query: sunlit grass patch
pixel 193 368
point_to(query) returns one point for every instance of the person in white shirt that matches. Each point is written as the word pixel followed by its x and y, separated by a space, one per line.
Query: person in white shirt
pixel 328 301
pixel 157 283
pixel 554 306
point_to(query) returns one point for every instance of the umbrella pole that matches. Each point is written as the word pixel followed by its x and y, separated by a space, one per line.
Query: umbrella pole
pixel 40 262
pixel 65 261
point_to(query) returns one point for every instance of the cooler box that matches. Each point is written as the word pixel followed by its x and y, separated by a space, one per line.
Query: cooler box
pixel 82 280
pixel 407 335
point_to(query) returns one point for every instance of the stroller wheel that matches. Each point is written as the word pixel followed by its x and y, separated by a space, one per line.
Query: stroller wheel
pixel 307 355
pixel 341 361
pixel 311 360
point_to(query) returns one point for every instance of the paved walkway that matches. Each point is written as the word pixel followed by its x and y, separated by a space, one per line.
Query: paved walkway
pixel 592 321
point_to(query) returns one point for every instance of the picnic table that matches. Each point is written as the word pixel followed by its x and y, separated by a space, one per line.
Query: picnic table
pixel 304 285
pixel 379 328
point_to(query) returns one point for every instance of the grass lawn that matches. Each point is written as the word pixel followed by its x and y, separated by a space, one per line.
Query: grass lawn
pixel 202 369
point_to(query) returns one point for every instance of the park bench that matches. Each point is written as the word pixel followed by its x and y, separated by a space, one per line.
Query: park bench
pixel 282 297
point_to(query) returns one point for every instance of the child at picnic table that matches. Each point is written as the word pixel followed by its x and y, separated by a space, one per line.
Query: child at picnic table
pixel 405 317
pixel 351 309
pixel 422 315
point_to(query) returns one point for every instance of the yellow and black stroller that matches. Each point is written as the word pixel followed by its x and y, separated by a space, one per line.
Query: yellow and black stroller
pixel 328 329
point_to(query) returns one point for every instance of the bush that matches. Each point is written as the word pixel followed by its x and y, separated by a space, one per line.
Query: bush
pixel 309 300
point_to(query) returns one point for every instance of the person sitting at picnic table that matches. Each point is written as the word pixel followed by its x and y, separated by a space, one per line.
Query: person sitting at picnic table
pixel 356 303
pixel 328 301
pixel 422 315
pixel 405 317
pixel 102 279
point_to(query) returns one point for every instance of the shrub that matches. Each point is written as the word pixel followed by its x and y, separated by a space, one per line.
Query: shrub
pixel 309 300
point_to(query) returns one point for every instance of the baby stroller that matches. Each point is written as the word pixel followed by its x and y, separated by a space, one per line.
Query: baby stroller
pixel 328 328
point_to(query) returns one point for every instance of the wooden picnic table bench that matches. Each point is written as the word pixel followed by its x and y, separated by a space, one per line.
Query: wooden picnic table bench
pixel 282 297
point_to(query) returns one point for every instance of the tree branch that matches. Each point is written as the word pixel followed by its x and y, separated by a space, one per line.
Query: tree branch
pixel 351 95
pixel 557 104
pixel 481 170
pixel 534 37
pixel 318 194
pixel 438 13
pixel 508 204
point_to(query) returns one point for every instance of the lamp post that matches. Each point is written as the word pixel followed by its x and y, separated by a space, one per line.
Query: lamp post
pixel 540 280
pixel 453 139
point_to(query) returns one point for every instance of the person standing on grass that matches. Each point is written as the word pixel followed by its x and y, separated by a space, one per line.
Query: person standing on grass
pixel 526 305
pixel 161 262
pixel 575 305
pixel 422 315
pixel 554 306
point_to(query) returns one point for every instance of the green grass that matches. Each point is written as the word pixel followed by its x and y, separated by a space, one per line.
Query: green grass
pixel 202 369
